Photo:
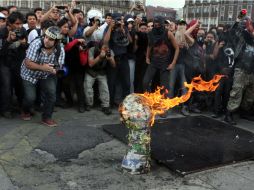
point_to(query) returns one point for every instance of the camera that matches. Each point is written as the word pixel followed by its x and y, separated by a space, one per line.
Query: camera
pixel 19 34
pixel 108 53
pixel 60 7
pixel 60 71
pixel 98 22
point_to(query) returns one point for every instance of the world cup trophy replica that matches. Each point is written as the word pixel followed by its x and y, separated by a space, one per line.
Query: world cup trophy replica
pixel 136 115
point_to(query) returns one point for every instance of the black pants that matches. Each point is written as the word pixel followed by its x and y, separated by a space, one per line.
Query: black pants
pixel 77 79
pixel 149 75
pixel 10 79
pixel 120 73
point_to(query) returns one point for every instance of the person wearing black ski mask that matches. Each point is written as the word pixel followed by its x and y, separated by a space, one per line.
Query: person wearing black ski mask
pixel 162 54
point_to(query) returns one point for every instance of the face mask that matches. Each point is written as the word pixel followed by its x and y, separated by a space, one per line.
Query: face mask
pixel 158 30
pixel 200 40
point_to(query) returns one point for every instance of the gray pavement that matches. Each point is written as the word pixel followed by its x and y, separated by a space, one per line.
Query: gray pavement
pixel 78 155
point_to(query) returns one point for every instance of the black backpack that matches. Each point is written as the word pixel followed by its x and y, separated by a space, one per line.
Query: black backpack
pixel 58 48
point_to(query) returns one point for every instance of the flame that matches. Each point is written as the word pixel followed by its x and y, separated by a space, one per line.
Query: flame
pixel 159 103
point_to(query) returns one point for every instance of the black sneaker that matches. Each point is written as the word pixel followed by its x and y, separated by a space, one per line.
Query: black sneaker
pixel 7 115
pixel 185 111
pixel 229 118
pixel 215 115
pixel 106 110
pixel 195 110
pixel 81 109
pixel 88 108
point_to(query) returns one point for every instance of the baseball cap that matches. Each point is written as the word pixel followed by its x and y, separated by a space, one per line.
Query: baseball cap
pixel 130 20
pixel 2 16
pixel 181 21
pixel 167 21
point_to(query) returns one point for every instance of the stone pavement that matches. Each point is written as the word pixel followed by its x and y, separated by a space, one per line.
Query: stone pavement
pixel 78 155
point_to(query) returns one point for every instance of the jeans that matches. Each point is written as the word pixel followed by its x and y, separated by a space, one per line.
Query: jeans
pixel 149 75
pixel 132 72
pixel 48 94
pixel 103 89
pixel 178 73
pixel 10 78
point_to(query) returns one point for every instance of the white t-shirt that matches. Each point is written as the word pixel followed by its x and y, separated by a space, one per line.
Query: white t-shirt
pixel 32 35
pixel 97 34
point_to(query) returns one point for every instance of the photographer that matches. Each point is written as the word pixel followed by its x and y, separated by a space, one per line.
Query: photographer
pixel 2 20
pixel 76 59
pixel 100 57
pixel 10 37
pixel 118 38
pixel 44 55
pixel 93 31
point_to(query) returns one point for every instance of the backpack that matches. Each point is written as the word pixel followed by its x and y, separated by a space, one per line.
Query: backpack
pixel 58 48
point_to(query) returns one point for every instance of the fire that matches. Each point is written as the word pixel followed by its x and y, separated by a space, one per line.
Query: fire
pixel 159 103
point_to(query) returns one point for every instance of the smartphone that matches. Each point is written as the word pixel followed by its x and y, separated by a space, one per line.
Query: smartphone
pixel 60 7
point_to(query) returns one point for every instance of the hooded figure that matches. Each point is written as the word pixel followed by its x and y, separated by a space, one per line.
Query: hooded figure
pixel 157 35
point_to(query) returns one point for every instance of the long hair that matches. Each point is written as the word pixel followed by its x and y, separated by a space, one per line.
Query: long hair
pixel 179 35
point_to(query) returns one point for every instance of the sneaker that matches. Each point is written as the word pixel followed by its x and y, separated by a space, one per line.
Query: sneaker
pixel 7 115
pixel 26 116
pixel 81 109
pixel 229 119
pixel 215 115
pixel 49 122
pixel 185 111
pixel 106 110
pixel 195 110
pixel 88 108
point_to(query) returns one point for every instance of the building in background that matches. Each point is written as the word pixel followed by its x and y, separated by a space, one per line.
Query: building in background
pixel 105 6
pixel 214 12
pixel 168 13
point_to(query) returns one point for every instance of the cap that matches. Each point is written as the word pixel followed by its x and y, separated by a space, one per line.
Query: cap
pixel 2 16
pixel 167 21
pixel 130 20
pixel 181 21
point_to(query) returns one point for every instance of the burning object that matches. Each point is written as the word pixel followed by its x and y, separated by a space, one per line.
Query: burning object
pixel 138 112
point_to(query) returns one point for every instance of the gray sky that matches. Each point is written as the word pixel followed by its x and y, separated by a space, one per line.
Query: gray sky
pixel 166 3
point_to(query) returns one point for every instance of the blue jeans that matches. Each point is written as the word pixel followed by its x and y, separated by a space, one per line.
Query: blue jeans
pixel 48 95
pixel 177 74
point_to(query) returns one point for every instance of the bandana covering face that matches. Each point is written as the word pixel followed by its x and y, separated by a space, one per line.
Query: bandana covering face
pixel 156 36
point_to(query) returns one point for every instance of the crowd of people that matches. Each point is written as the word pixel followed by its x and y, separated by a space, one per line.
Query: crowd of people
pixel 62 57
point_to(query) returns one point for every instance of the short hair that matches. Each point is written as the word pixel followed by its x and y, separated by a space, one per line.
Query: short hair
pixel 46 24
pixel 37 9
pixel 108 14
pixel 62 22
pixel 4 9
pixel 76 11
pixel 14 16
pixel 11 6
pixel 31 14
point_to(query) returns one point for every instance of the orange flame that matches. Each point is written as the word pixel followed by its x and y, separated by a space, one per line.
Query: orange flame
pixel 159 103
